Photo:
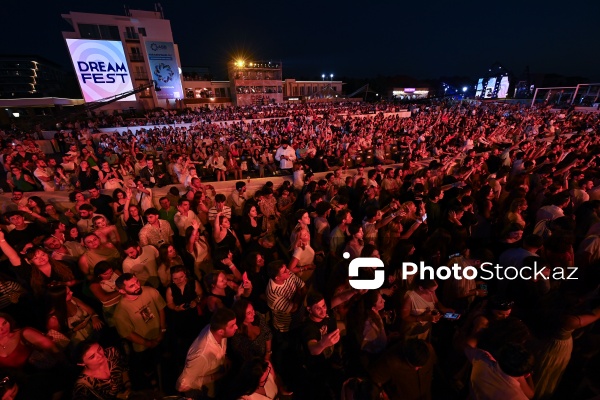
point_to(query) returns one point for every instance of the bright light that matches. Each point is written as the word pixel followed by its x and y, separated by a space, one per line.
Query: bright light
pixel 331 76
pixel 240 63
pixel 464 88
pixel 16 114
pixel 323 76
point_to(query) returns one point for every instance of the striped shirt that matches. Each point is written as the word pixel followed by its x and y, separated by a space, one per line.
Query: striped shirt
pixel 8 288
pixel 212 213
pixel 280 301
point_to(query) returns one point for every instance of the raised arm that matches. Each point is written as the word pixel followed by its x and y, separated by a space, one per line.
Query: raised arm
pixel 126 206
pixel 7 249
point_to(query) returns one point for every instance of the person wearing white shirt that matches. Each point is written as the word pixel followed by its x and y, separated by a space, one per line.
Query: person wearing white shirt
pixel 181 169
pixel 141 261
pixel 217 162
pixel 192 173
pixel 44 175
pixel 184 216
pixel 286 156
pixel 556 208
pixel 503 376
pixel 205 361
pixel 237 199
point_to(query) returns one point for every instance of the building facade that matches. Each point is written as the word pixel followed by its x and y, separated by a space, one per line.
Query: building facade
pixel 294 90
pixel 255 82
pixel 27 76
pixel 137 31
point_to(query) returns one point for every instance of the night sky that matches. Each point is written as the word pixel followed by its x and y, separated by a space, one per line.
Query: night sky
pixel 422 39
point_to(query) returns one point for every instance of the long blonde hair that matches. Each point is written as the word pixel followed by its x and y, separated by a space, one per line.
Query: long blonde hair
pixel 297 231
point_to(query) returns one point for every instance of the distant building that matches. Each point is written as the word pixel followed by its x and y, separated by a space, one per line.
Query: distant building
pixel 32 86
pixel 255 82
pixel 26 76
pixel 294 90
pixel 201 91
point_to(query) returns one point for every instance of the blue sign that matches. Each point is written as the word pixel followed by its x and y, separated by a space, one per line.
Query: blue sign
pixel 165 70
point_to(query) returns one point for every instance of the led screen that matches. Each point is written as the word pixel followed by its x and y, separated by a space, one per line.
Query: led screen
pixel 101 68
pixel 503 89
pixel 479 89
pixel 489 88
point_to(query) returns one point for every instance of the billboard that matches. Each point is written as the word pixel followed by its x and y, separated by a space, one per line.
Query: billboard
pixel 101 68
pixel 165 71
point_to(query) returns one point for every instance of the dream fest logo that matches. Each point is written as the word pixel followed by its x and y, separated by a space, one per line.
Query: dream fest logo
pixel 102 72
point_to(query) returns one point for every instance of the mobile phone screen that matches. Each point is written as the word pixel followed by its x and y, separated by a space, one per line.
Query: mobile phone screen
pixel 424 217
pixel 452 316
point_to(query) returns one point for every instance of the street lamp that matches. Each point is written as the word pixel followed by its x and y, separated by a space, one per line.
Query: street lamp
pixel 323 76
pixel 331 77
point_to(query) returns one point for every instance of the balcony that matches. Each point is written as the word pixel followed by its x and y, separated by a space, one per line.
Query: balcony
pixel 131 36
pixel 136 57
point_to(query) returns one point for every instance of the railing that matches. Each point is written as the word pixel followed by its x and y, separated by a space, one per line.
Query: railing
pixel 136 57
pixel 131 36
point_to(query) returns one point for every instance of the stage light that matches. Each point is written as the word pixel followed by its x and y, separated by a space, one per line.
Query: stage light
pixel 464 88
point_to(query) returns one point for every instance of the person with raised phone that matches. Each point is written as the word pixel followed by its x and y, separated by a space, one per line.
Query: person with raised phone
pixel 320 334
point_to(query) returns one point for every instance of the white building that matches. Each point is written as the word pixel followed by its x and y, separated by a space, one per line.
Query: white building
pixel 134 30
pixel 312 90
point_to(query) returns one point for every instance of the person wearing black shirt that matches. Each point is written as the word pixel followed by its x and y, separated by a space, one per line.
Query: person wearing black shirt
pixel 152 175
pixel 23 233
pixel 102 202
pixel 494 162
pixel 320 334
pixel 266 246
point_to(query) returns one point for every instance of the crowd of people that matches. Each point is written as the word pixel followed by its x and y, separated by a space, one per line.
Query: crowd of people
pixel 214 294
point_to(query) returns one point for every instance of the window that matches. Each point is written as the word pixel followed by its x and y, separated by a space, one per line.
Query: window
pixel 142 31
pixel 88 31
pixel 91 31
pixel 130 33
pixel 220 92
pixel 109 32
